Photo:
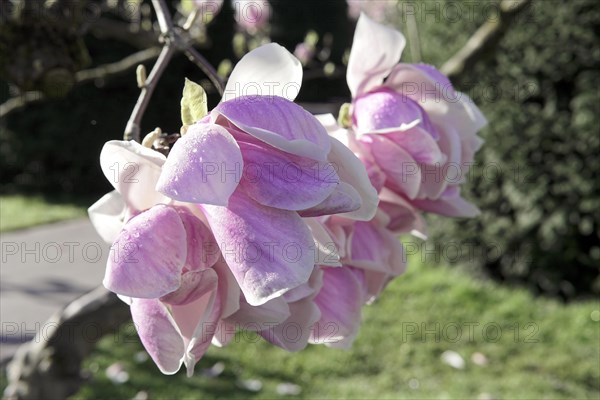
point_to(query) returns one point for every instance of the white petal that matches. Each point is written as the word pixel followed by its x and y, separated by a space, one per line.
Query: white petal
pixel 133 170
pixel 269 70
pixel 107 216
pixel 375 51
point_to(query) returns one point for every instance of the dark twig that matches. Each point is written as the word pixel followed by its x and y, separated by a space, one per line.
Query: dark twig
pixel 107 70
pixel 194 56
pixel 132 129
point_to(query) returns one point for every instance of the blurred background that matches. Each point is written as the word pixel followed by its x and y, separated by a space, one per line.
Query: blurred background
pixel 505 305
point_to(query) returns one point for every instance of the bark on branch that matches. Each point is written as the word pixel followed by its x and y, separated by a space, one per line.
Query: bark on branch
pixel 49 367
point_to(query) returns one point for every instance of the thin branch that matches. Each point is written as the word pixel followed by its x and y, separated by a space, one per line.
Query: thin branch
pixel 191 19
pixel 104 71
pixel 132 129
pixel 194 56
pixel 163 16
pixel 174 42
pixel 484 39
pixel 17 102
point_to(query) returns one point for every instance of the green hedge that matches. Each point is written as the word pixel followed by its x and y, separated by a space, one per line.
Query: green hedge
pixel 536 178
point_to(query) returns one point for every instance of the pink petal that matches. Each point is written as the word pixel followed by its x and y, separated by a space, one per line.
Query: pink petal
pixel 278 122
pixel 404 218
pixel 432 90
pixel 327 252
pixel 257 318
pixel 282 180
pixel 204 166
pixel 384 109
pixel 293 333
pixel 194 284
pixel 267 249
pixel 224 333
pixel 419 144
pixel 435 178
pixel 197 322
pixel 402 171
pixel 147 258
pixel 133 170
pixel 202 249
pixel 159 334
pixel 375 50
pixel 449 204
pixel 343 199
pixel 352 171
pixel 308 289
pixel 375 248
pixel 228 290
pixel 340 301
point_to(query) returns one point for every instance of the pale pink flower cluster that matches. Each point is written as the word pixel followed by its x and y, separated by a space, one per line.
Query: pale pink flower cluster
pixel 414 132
pixel 266 218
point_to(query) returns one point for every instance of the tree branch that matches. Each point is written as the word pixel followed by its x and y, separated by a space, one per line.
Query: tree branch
pixel 132 129
pixel 163 16
pixel 107 70
pixel 194 56
pixel 49 366
pixel 484 40
pixel 104 71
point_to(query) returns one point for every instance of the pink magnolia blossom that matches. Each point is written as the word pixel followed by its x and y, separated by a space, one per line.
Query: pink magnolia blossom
pixel 258 164
pixel 175 282
pixel 220 231
pixel 410 125
pixel 402 215
pixel 285 321
pixel 371 256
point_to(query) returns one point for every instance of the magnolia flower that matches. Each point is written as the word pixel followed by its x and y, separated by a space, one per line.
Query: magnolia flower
pixel 409 123
pixel 166 265
pixel 259 163
pixel 371 256
pixel 402 216
pixel 285 321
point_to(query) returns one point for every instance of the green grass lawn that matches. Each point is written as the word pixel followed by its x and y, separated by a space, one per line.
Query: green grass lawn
pixel 535 348
pixel 19 211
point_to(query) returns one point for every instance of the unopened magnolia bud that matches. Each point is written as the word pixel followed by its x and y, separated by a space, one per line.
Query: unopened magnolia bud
pixel 345 117
pixel 141 76
pixel 151 137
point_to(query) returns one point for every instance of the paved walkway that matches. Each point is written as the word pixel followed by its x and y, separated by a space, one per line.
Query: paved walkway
pixel 41 270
